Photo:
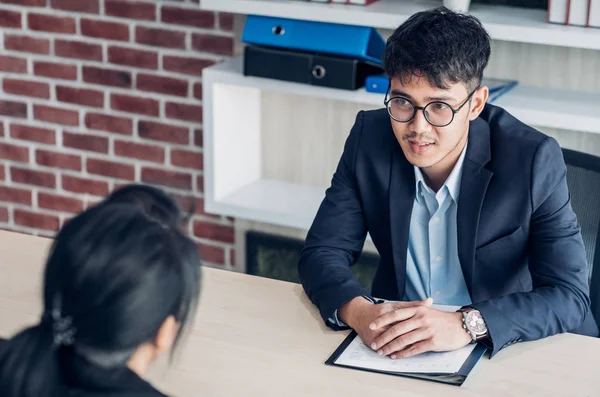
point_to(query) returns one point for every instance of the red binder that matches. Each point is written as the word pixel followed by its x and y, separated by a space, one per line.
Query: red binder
pixel 354 2
pixel 361 2
pixel 570 12
pixel 594 14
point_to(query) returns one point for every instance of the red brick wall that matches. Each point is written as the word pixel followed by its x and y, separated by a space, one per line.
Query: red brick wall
pixel 98 93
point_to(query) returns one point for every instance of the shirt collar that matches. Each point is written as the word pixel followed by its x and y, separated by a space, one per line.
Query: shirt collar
pixel 452 183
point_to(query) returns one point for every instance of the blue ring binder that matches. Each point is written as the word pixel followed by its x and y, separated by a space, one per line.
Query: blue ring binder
pixel 358 42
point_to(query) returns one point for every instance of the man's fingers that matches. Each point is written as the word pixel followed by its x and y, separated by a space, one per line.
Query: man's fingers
pixel 401 342
pixel 392 317
pixel 394 332
pixel 399 311
pixel 425 302
pixel 391 306
pixel 416 349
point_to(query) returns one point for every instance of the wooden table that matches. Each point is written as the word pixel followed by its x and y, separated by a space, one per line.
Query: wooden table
pixel 259 337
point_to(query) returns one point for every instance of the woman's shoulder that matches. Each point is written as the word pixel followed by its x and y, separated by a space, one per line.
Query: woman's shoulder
pixel 82 378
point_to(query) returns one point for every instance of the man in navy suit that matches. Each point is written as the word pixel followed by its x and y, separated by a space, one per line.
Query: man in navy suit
pixel 466 205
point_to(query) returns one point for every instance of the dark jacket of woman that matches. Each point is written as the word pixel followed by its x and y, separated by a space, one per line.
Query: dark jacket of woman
pixel 82 379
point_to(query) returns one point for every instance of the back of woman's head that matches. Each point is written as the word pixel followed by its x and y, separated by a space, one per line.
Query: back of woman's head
pixel 152 200
pixel 113 276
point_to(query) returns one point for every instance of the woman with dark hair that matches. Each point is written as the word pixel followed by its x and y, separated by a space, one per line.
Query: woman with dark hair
pixel 120 285
pixel 154 201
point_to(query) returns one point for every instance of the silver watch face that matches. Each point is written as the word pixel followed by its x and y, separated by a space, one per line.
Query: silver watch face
pixel 475 323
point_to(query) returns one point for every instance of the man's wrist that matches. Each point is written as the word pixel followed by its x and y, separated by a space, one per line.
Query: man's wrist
pixel 348 310
pixel 460 328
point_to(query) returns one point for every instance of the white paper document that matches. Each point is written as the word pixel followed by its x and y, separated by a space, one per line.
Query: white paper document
pixel 360 356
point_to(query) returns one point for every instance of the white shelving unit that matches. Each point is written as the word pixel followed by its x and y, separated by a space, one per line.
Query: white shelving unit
pixel 502 23
pixel 234 184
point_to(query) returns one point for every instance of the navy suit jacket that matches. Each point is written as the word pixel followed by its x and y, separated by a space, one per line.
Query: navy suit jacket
pixel 519 241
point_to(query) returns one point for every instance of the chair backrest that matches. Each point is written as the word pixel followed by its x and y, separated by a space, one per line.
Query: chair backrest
pixel 583 179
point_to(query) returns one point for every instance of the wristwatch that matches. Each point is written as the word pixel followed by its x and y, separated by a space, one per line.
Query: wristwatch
pixel 474 324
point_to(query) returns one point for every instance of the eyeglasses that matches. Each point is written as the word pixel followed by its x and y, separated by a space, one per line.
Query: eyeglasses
pixel 437 113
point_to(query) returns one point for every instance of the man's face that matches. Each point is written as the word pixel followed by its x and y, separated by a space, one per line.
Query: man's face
pixel 423 144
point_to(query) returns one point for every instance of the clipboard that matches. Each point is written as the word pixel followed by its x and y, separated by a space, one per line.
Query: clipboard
pixel 455 379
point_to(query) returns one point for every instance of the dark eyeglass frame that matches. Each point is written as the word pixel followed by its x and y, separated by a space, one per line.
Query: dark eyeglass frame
pixel 387 100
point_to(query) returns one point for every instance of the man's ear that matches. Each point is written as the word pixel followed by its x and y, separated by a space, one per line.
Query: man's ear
pixel 166 335
pixel 478 101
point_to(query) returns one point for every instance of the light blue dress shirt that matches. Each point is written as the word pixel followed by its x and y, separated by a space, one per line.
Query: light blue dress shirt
pixel 432 264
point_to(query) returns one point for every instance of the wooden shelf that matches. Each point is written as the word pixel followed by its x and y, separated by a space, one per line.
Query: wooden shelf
pixel 502 23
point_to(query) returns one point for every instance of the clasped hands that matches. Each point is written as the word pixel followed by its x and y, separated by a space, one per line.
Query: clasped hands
pixel 404 329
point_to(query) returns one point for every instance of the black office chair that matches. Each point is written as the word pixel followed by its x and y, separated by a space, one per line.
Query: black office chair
pixel 583 179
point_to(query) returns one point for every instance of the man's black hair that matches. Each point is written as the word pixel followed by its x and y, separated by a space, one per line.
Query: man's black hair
pixel 444 46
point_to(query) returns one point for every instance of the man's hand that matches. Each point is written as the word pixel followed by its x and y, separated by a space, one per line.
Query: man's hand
pixel 359 314
pixel 415 330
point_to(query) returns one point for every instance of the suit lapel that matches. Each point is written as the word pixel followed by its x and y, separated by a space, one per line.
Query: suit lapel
pixel 474 184
pixel 402 193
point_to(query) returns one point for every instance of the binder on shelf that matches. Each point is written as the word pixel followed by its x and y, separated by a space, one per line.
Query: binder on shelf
pixel 362 2
pixel 578 12
pixel 357 2
pixel 308 68
pixel 558 11
pixel 377 83
pixel 594 14
pixel 496 87
pixel 323 37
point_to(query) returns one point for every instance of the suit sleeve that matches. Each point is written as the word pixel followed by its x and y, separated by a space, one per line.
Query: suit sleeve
pixel 559 299
pixel 336 238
